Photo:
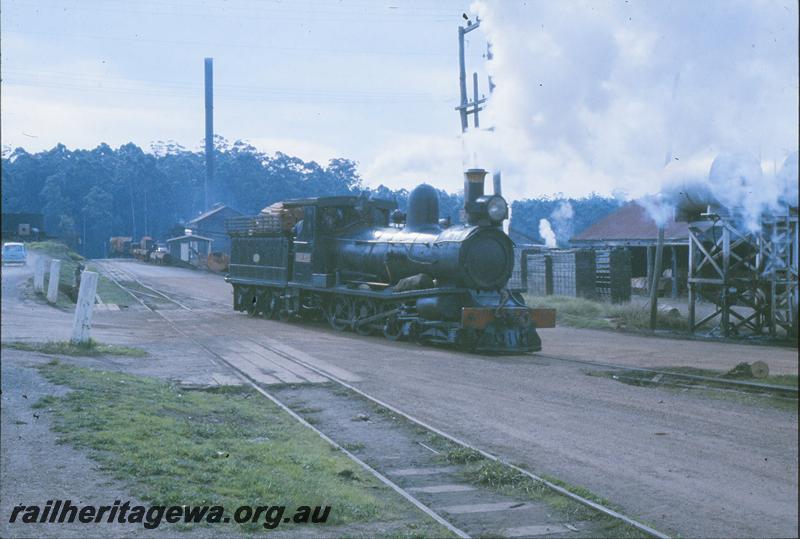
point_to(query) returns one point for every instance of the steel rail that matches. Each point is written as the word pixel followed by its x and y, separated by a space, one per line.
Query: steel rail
pixel 382 478
pixel 130 292
pixel 250 382
pixel 140 283
pixel 740 383
pixel 557 488
pixel 652 532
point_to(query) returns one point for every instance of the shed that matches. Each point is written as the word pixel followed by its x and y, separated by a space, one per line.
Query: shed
pixel 190 248
pixel 633 228
pixel 211 224
pixel 23 226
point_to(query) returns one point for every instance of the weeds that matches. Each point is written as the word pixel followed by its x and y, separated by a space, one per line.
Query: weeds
pixel 204 451
pixel 356 446
pixel 507 480
pixel 585 313
pixel 55 249
pixel 463 455
pixel 108 291
pixel 91 348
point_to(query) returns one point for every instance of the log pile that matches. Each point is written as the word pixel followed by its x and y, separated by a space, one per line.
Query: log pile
pixel 273 219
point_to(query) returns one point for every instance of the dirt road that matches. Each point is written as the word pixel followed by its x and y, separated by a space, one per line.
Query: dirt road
pixel 686 462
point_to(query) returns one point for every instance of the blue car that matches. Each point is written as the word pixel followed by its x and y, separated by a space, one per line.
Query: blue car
pixel 14 253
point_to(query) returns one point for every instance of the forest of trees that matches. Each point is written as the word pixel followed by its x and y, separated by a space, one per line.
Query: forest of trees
pixel 87 196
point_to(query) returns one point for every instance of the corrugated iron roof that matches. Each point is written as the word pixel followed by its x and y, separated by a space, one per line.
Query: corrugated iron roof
pixel 212 211
pixel 632 222
pixel 190 237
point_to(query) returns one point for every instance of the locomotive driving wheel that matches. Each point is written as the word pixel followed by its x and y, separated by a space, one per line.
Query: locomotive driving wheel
pixel 392 327
pixel 271 304
pixel 364 308
pixel 467 340
pixel 340 313
pixel 251 302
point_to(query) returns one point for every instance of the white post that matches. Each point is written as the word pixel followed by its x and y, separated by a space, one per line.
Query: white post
pixel 52 285
pixel 82 324
pixel 38 276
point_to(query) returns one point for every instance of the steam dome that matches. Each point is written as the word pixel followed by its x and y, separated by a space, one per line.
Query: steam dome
pixel 423 207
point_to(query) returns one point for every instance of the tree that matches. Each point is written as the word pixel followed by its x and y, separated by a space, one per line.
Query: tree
pixel 102 192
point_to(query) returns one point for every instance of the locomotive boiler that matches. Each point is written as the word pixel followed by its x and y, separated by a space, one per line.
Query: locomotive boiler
pixel 362 265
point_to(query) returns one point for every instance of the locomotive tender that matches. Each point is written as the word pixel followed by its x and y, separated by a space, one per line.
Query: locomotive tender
pixel 363 266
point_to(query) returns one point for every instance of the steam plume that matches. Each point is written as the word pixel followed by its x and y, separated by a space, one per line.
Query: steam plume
pixel 590 96
pixel 547 234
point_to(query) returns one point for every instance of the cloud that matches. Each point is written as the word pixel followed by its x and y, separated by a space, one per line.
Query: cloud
pixel 594 96
pixel 307 150
pixel 408 160
pixel 38 122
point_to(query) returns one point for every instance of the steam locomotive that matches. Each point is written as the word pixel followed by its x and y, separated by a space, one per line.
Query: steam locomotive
pixel 363 265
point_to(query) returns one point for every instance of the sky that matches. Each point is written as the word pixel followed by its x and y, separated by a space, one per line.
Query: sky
pixel 591 96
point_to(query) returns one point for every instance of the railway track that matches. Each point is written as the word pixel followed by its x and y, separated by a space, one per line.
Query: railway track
pixel 663 377
pixel 144 293
pixel 660 377
pixel 446 516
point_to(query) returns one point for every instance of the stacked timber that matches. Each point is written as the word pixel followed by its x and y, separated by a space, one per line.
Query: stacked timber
pixel 574 272
pixel 539 266
pixel 280 217
pixel 120 246
pixel 613 277
pixel 273 219
pixel 218 262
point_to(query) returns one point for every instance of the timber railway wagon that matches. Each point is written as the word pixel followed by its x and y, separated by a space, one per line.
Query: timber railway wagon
pixel 362 265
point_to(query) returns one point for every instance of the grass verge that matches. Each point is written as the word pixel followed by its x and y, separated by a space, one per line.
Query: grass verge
pixel 91 348
pixel 221 446
pixel 106 289
pixel 589 314
pixel 55 249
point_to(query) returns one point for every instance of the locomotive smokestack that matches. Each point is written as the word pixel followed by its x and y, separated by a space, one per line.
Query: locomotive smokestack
pixel 498 190
pixel 473 186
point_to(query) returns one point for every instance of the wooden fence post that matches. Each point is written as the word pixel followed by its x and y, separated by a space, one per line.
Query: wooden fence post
pixel 52 285
pixel 38 276
pixel 82 324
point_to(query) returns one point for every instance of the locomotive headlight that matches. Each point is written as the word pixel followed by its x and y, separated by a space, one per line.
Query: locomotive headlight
pixel 497 208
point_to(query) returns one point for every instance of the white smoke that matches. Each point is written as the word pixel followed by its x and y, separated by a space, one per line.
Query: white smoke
pixel 658 207
pixel 734 182
pixel 547 234
pixel 788 180
pixel 590 96
pixel 561 221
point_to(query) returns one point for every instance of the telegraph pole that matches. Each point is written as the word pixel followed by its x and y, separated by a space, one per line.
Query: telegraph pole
pixel 467 107
pixel 209 86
